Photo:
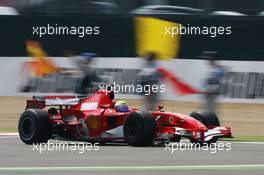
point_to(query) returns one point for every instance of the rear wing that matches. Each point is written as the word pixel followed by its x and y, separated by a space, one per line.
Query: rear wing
pixel 43 101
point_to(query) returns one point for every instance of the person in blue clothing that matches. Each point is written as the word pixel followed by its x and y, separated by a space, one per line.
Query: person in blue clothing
pixel 212 84
pixel 149 77
pixel 89 77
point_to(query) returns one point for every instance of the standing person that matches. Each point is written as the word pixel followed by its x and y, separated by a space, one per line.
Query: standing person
pixel 212 83
pixel 89 77
pixel 148 77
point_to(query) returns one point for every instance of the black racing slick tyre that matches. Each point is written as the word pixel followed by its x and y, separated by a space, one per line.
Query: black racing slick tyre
pixel 139 129
pixel 209 119
pixel 34 126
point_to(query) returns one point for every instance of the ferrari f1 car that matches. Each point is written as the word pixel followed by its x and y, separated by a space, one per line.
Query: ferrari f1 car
pixel 97 118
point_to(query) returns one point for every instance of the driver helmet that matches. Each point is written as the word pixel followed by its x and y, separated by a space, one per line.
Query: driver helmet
pixel 121 106
pixel 87 56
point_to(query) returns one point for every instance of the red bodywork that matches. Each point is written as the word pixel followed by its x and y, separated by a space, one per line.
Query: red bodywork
pixel 91 118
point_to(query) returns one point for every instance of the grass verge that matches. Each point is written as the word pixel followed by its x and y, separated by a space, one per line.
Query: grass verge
pixel 245 138
pixel 8 130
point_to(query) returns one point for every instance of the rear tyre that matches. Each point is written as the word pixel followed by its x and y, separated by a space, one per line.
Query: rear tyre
pixel 139 129
pixel 34 126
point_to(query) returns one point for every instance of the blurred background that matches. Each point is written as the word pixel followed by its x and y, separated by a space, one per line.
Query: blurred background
pixel 78 7
pixel 59 62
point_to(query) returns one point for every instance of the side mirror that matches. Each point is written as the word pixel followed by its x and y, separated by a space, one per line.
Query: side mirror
pixel 105 106
pixel 160 107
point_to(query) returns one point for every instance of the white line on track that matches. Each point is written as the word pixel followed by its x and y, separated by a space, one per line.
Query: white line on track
pixel 260 143
pixel 8 134
pixel 8 137
pixel 134 168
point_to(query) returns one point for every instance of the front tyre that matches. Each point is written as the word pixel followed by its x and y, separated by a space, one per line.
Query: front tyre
pixel 139 128
pixel 34 126
pixel 210 120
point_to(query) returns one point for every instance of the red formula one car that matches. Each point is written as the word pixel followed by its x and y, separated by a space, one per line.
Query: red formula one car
pixel 96 119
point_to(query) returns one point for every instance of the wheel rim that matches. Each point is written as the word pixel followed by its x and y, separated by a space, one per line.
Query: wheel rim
pixel 27 127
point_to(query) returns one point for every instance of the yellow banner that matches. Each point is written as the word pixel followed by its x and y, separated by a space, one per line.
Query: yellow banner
pixel 151 36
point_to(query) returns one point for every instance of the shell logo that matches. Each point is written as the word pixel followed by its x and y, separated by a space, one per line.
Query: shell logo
pixel 93 122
